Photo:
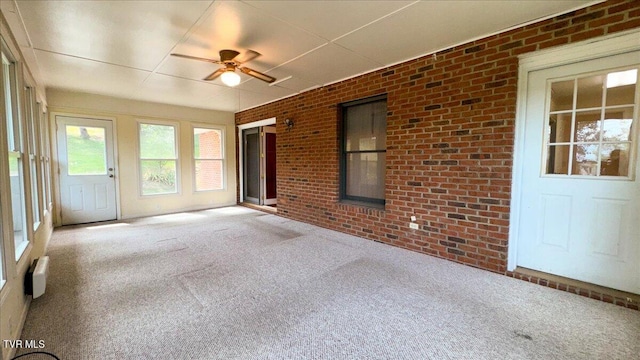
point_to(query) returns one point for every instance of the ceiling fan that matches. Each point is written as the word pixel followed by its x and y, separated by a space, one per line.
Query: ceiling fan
pixel 231 61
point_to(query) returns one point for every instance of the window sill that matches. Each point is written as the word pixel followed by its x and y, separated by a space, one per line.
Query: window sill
pixel 20 249
pixel 36 225
pixel 363 204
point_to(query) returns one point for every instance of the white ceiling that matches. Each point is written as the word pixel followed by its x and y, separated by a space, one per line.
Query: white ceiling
pixel 121 48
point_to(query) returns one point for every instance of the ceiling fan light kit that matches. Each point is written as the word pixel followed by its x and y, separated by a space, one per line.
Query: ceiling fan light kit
pixel 230 60
pixel 230 78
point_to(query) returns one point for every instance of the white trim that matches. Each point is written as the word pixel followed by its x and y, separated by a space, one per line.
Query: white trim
pixel 609 45
pixel 251 125
pixel 581 51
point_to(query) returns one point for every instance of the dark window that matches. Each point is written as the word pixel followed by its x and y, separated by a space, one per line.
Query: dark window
pixel 363 157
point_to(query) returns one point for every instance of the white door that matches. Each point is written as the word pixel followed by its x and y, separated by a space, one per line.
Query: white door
pixel 87 170
pixel 580 200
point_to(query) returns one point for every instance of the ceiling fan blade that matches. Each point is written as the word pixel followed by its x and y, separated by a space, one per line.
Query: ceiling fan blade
pixel 215 74
pixel 196 58
pixel 248 56
pixel 228 55
pixel 257 74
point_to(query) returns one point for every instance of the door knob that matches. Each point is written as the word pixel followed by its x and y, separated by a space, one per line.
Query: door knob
pixel 110 175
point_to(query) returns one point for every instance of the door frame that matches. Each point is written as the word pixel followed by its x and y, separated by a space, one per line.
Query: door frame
pixel 263 165
pixel 55 170
pixel 240 148
pixel 600 47
pixel 254 132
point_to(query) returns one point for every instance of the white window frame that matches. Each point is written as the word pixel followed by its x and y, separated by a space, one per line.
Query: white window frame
pixel 572 142
pixel 17 142
pixel 31 119
pixel 222 159
pixel 176 127
pixel 45 159
pixel 3 270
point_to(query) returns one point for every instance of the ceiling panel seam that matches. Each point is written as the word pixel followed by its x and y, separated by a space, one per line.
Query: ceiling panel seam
pixel 205 14
pixel 375 21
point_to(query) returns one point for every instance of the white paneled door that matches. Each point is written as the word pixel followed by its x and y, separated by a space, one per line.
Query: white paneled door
pixel 580 198
pixel 87 170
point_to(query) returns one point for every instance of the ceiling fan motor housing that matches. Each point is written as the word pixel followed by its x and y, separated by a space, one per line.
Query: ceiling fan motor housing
pixel 228 55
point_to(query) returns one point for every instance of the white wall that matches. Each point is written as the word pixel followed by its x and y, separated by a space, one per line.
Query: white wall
pixel 126 114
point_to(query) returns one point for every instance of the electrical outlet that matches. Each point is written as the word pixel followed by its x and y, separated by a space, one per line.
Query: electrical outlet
pixel 414 226
pixel 413 218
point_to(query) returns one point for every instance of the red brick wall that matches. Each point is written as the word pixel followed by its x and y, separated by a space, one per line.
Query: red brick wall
pixel 450 133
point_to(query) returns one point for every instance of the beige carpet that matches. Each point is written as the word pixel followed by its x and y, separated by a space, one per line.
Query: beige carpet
pixel 235 283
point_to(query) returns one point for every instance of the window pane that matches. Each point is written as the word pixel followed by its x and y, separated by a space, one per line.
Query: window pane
pixel 35 207
pixel 365 175
pixel 2 271
pixel 6 76
pixel 614 160
pixel 562 95
pixel 86 150
pixel 207 143
pixel 621 87
pixel 617 124
pixel 44 151
pixel 366 127
pixel 158 176
pixel 590 92
pixel 587 126
pixel 623 95
pixel 585 159
pixel 157 142
pixel 32 121
pixel 16 181
pixel 208 175
pixel 558 159
pixel 559 128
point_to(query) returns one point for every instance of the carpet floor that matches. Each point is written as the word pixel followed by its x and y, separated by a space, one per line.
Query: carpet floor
pixel 235 283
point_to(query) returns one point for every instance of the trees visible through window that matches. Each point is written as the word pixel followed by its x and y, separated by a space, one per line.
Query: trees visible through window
pixel 364 135
pixel 158 159
pixel 590 124
pixel 208 159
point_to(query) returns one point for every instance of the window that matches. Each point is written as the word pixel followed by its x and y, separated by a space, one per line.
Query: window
pixel 45 159
pixel 34 169
pixel 364 135
pixel 590 125
pixel 15 154
pixel 158 159
pixel 208 159
pixel 3 277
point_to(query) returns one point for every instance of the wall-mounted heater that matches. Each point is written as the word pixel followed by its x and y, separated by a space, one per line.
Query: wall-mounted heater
pixel 35 282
